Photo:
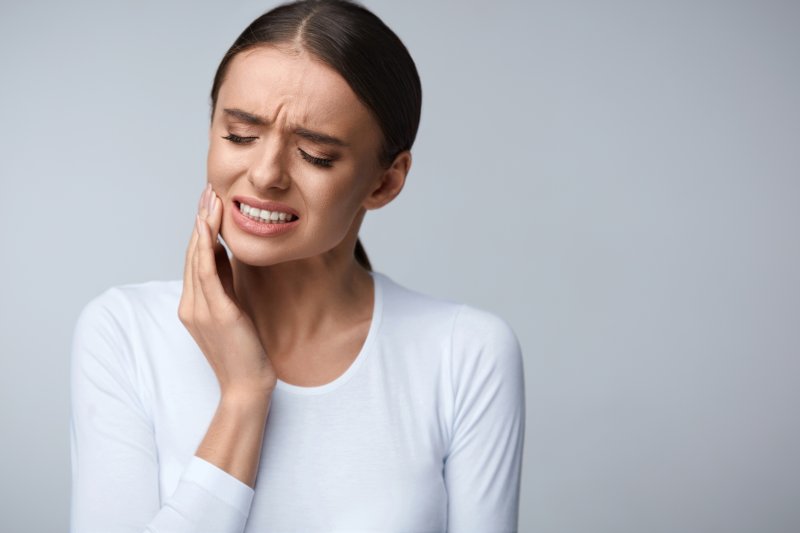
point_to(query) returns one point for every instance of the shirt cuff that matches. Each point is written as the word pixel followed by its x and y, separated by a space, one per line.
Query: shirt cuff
pixel 223 485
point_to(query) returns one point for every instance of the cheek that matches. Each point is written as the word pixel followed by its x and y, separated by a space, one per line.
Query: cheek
pixel 328 201
pixel 345 193
pixel 213 163
pixel 221 168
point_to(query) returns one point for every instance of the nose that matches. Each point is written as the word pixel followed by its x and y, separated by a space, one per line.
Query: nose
pixel 267 169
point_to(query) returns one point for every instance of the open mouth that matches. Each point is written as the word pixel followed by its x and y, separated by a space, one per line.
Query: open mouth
pixel 264 215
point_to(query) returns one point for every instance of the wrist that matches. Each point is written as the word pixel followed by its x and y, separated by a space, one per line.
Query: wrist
pixel 240 399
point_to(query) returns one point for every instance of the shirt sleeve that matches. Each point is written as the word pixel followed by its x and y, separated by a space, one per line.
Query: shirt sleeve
pixel 115 483
pixel 482 469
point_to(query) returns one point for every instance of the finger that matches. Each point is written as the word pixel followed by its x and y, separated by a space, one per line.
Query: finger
pixel 214 220
pixel 213 292
pixel 214 217
pixel 200 304
pixel 188 281
pixel 188 286
pixel 187 263
pixel 224 270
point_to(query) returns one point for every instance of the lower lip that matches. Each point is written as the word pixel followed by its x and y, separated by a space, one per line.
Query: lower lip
pixel 262 229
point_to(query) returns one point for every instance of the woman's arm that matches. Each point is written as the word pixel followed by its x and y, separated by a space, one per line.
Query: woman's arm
pixel 228 338
pixel 482 469
pixel 114 457
pixel 233 441
pixel 115 463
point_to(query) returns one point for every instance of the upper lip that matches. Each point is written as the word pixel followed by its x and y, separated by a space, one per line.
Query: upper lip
pixel 266 204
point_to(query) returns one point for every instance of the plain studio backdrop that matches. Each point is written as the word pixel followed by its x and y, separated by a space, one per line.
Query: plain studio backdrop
pixel 619 180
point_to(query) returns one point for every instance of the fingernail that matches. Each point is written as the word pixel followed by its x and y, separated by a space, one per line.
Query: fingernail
pixel 214 202
pixel 197 223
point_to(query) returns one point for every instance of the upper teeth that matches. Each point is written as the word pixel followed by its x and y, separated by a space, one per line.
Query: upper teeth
pixel 265 215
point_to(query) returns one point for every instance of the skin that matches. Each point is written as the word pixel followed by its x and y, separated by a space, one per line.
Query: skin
pixel 295 306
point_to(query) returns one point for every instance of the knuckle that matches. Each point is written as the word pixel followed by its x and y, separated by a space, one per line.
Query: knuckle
pixel 185 315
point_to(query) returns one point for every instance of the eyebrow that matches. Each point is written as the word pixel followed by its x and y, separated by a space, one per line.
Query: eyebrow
pixel 313 136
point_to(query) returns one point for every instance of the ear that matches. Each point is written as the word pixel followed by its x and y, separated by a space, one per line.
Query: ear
pixel 390 182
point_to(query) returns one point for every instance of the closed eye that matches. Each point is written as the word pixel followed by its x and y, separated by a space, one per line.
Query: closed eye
pixel 239 140
pixel 319 161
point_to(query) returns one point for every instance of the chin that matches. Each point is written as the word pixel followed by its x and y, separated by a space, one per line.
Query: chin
pixel 262 252
pixel 257 257
pixel 257 251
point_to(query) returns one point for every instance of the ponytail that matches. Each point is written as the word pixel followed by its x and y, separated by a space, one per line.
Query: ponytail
pixel 361 255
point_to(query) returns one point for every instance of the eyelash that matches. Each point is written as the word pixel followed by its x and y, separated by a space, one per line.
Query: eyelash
pixel 238 140
pixel 318 161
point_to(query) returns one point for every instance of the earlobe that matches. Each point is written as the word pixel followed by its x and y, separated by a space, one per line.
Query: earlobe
pixel 391 182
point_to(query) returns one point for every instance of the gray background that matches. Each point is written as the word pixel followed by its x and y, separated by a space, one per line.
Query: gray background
pixel 619 180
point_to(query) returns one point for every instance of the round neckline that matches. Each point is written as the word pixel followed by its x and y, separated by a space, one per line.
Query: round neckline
pixel 377 312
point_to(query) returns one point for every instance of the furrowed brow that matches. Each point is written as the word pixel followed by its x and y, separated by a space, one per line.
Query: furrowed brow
pixel 313 136
pixel 319 138
pixel 250 118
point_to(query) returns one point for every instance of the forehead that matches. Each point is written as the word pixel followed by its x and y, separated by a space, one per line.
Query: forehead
pixel 293 86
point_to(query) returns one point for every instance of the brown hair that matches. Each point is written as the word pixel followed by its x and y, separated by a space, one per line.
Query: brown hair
pixel 362 49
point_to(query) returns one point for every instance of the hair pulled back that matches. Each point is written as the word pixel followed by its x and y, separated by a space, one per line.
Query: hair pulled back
pixel 362 49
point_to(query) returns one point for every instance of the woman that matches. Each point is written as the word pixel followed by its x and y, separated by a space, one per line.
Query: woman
pixel 289 387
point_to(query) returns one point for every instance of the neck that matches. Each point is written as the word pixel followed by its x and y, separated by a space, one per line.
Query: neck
pixel 295 302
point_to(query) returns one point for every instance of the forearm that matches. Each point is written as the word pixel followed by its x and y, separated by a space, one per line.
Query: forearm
pixel 235 435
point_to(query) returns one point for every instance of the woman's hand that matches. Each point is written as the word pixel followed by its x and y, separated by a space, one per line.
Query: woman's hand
pixel 210 311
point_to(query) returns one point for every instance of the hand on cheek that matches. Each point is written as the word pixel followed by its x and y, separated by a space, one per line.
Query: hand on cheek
pixel 210 311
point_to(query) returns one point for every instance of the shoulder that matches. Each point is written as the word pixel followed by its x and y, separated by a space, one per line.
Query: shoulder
pixel 115 309
pixel 486 363
pixel 477 327
pixel 469 328
pixel 133 298
pixel 407 310
pixel 111 327
pixel 481 357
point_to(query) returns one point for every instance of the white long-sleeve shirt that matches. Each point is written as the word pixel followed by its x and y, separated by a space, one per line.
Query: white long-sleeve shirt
pixel 424 432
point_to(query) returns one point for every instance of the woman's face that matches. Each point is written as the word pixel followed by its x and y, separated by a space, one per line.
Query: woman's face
pixel 297 135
